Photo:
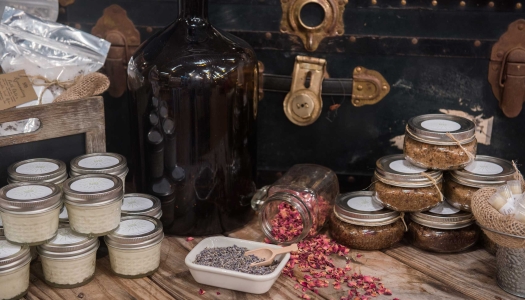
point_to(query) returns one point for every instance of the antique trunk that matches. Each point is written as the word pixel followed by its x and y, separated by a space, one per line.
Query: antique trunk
pixel 435 57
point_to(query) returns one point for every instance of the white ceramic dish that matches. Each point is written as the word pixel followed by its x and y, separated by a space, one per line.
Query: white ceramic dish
pixel 248 283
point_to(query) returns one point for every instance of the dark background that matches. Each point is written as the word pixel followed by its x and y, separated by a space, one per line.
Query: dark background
pixel 434 57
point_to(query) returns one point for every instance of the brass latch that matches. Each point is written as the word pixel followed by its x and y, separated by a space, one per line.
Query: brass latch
pixel 331 25
pixel 303 104
pixel 369 87
pixel 507 69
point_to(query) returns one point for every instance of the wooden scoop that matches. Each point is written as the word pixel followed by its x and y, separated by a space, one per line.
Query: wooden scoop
pixel 269 254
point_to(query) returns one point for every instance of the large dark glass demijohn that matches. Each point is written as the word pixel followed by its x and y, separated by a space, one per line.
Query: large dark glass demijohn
pixel 193 123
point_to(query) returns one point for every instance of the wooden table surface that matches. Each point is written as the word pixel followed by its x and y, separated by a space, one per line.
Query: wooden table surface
pixel 408 272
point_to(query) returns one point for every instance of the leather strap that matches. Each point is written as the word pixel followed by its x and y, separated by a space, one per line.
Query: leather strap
pixel 331 86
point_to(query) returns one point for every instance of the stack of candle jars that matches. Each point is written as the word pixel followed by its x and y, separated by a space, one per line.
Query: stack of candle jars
pixel 63 218
pixel 413 183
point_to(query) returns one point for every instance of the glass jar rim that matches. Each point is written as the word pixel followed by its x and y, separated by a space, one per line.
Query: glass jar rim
pixel 154 211
pixel 470 178
pixel 297 204
pixel 351 213
pixel 386 173
pixel 418 131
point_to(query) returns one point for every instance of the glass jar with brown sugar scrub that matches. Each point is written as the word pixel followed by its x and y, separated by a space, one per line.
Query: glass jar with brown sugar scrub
pixel 443 229
pixel 359 222
pixel 401 186
pixel 484 171
pixel 440 142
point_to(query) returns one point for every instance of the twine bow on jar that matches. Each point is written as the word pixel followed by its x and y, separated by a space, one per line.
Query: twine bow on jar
pixel 458 142
pixel 434 182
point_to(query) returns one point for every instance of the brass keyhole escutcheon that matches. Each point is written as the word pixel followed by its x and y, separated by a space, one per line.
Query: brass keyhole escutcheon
pixel 312 34
pixel 303 104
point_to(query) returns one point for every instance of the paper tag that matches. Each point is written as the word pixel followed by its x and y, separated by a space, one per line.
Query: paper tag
pixel 441 125
pixel 66 236
pixel 135 227
pixel 484 168
pixel 364 203
pixel 8 249
pixel 28 192
pixel 403 166
pixel 136 203
pixel 509 208
pixel 15 89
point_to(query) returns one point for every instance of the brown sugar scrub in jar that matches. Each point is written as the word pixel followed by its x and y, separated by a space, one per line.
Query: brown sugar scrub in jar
pixel 440 142
pixel 484 171
pixel 401 186
pixel 443 229
pixel 359 222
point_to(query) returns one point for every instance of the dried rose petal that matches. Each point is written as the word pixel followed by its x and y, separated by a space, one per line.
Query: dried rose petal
pixel 305 296
pixel 202 292
pixel 218 293
pixel 189 239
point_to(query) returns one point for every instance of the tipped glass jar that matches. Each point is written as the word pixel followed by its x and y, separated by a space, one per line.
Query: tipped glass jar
pixel 359 222
pixel 298 204
pixel 29 212
pixel 134 248
pixel 14 270
pixel 440 142
pixel 485 171
pixel 141 205
pixel 37 170
pixel 93 203
pixel 69 259
pixel 100 163
pixel 443 229
pixel 401 186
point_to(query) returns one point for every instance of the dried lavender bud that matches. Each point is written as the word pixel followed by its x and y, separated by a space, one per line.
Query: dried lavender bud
pixel 232 258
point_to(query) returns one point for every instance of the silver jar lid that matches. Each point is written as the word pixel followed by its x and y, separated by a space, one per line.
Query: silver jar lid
pixel 29 197
pixel 360 208
pixel 484 171
pixel 63 217
pixel 12 256
pixel 136 232
pixel 67 244
pixel 93 190
pixel 141 205
pixel 99 163
pixel 433 129
pixel 37 170
pixel 443 216
pixel 397 171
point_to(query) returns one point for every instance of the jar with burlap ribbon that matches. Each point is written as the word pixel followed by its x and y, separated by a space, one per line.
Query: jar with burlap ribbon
pixel 440 142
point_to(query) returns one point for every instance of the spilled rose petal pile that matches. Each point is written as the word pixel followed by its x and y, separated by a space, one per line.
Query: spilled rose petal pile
pixel 317 269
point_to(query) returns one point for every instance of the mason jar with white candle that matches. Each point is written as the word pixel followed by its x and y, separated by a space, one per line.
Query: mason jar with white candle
pixel 100 163
pixel 93 203
pixel 134 248
pixel 14 270
pixel 37 170
pixel 141 205
pixel 29 212
pixel 68 260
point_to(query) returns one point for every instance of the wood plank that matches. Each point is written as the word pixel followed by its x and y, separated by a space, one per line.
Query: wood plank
pixel 105 285
pixel 402 280
pixel 61 119
pixel 472 273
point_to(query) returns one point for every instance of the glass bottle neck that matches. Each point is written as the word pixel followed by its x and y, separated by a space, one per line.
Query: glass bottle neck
pixel 193 9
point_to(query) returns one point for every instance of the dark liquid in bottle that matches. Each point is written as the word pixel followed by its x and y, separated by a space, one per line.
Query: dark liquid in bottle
pixel 193 124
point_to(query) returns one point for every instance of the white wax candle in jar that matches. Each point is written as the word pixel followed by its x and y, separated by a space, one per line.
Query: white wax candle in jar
pixel 93 203
pixel 38 170
pixel 141 205
pixel 69 259
pixel 134 248
pixel 520 213
pixel 29 212
pixel 100 163
pixel 14 270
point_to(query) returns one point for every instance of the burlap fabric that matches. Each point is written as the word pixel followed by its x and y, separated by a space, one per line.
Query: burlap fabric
pixel 85 86
pixel 487 216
